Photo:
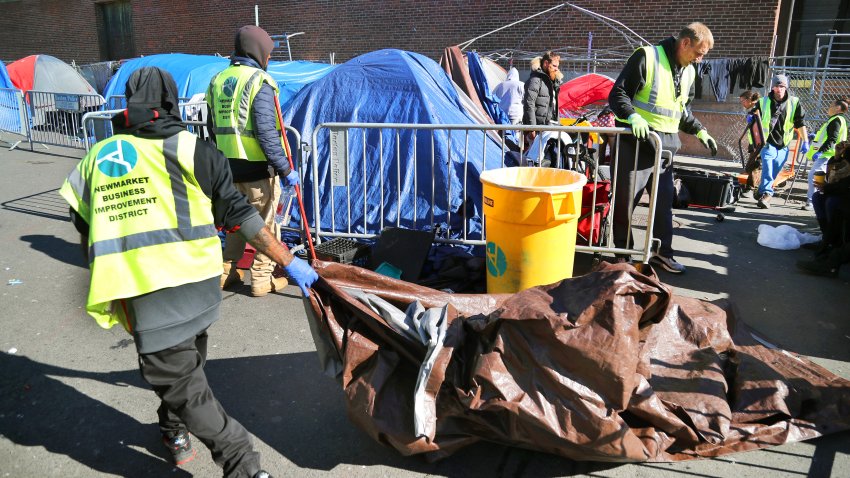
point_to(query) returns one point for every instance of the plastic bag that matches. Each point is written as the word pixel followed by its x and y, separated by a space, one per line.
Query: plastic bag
pixel 784 237
pixel 283 213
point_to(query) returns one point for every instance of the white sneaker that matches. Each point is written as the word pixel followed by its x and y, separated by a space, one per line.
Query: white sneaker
pixel 668 263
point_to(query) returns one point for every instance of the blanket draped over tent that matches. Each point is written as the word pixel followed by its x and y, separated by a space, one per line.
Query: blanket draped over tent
pixel 609 366
pixel 482 89
pixel 391 86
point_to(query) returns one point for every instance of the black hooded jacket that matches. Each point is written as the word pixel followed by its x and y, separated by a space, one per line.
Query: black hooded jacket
pixel 169 316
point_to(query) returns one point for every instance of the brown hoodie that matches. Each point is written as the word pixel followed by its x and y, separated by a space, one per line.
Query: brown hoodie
pixel 253 42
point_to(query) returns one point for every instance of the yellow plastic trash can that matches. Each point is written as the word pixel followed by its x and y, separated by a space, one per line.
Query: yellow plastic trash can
pixel 530 215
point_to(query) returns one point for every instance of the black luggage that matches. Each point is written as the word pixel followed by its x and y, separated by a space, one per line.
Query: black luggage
pixel 707 188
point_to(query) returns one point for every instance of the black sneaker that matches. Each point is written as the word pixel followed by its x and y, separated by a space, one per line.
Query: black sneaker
pixel 668 263
pixel 180 447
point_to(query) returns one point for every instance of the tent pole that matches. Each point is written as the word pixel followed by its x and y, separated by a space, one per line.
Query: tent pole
pixel 469 42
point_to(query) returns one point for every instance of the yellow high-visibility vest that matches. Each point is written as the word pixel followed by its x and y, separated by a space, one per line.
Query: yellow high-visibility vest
pixel 788 126
pixel 820 137
pixel 230 96
pixel 657 102
pixel 150 223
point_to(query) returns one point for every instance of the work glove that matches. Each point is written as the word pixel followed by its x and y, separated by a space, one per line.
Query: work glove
pixel 816 156
pixel 749 118
pixel 291 179
pixel 811 136
pixel 303 275
pixel 804 147
pixel 640 128
pixel 707 141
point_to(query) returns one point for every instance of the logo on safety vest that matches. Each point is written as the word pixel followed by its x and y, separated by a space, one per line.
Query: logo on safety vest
pixel 117 158
pixel 497 263
pixel 229 86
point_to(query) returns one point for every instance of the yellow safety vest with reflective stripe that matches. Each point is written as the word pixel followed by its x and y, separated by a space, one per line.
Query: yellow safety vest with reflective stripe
pixel 657 102
pixel 788 127
pixel 150 223
pixel 820 137
pixel 230 96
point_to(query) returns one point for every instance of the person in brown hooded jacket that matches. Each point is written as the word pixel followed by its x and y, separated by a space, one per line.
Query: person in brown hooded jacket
pixel 243 123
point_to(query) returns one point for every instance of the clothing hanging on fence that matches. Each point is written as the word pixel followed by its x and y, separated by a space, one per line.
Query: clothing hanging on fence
pixel 718 75
pixel 753 73
pixel 702 69
pixel 725 74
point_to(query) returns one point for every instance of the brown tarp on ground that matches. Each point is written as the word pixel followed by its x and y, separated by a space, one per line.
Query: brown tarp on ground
pixel 609 366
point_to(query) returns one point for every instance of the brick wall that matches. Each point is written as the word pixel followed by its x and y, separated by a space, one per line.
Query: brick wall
pixel 67 28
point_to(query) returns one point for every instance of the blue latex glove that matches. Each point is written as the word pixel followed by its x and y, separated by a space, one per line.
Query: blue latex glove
pixel 707 141
pixel 804 148
pixel 749 119
pixel 811 136
pixel 292 178
pixel 816 156
pixel 302 274
pixel 640 128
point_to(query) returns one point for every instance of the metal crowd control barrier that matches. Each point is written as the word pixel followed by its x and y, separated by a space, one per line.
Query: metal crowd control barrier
pixel 56 118
pixel 389 155
pixel 13 116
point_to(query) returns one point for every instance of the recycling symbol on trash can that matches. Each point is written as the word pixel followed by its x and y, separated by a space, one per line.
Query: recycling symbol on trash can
pixel 497 263
pixel 229 86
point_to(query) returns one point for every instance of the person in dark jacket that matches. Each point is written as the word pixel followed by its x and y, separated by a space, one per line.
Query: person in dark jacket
pixel 693 43
pixel 832 208
pixel 540 101
pixel 245 127
pixel 162 281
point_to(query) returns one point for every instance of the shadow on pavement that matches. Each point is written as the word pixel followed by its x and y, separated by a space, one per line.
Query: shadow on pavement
pixel 38 410
pixel 57 248
pixel 48 204
pixel 282 399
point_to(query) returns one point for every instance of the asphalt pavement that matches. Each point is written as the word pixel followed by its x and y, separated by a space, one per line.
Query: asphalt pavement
pixel 74 404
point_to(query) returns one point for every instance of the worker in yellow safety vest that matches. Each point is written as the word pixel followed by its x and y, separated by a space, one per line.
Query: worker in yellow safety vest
pixel 781 114
pixel 147 202
pixel 244 125
pixel 831 133
pixel 652 93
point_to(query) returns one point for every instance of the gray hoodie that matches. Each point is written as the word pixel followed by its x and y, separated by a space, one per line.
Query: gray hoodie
pixel 510 94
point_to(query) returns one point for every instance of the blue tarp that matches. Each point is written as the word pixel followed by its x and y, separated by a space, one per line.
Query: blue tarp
pixel 291 76
pixel 479 80
pixel 194 72
pixel 10 113
pixel 393 86
pixel 5 81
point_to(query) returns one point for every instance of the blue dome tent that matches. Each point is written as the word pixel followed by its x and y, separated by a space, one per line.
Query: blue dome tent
pixel 393 86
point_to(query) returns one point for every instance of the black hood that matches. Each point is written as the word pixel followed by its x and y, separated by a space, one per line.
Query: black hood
pixel 253 42
pixel 152 109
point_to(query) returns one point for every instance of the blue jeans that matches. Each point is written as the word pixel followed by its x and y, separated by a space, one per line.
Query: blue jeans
pixel 772 161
